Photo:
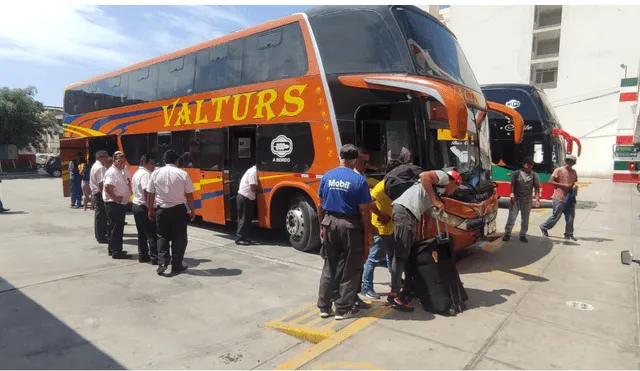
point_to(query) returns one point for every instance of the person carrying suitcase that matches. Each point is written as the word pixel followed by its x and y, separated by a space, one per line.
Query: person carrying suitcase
pixel 407 210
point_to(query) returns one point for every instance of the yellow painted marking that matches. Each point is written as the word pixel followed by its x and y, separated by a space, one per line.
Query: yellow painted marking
pixel 83 135
pixel 88 131
pixel 274 176
pixel 346 366
pixel 316 350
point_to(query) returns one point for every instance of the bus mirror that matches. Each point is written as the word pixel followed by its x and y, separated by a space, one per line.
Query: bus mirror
pixel 516 118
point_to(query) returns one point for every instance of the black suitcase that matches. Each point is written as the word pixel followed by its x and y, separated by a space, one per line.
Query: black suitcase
pixel 434 277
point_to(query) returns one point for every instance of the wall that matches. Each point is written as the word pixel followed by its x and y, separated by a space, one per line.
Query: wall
pixel 594 41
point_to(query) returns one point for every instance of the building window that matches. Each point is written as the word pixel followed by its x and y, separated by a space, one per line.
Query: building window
pixel 548 16
pixel 545 75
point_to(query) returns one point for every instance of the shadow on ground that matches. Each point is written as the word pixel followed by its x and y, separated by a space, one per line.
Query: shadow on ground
pixel 508 258
pixel 33 338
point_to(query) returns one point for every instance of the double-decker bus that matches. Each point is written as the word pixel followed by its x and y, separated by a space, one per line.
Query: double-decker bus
pixel 544 139
pixel 285 96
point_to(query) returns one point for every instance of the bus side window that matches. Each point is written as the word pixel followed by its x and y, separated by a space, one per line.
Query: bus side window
pixel 212 149
pixel 176 77
pixel 143 84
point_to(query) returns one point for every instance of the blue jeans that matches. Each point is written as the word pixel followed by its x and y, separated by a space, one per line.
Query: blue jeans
pixel 559 208
pixel 381 244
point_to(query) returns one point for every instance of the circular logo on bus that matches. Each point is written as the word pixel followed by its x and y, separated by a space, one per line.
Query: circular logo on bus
pixel 513 104
pixel 281 146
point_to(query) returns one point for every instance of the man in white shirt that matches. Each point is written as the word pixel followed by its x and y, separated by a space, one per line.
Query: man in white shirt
pixel 127 175
pixel 169 189
pixel 116 196
pixel 96 182
pixel 246 204
pixel 147 239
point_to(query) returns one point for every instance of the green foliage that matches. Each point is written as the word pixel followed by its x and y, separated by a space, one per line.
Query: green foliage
pixel 23 120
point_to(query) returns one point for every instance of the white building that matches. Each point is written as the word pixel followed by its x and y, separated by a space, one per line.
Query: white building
pixel 577 54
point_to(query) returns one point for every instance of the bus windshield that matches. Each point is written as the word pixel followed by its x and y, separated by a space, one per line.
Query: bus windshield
pixel 435 51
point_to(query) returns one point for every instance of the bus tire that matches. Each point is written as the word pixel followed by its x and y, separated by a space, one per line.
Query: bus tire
pixel 301 224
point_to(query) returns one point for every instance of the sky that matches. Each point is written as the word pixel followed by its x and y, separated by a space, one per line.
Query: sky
pixel 64 44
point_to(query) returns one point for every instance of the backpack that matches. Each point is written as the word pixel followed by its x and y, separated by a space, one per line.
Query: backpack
pixel 398 180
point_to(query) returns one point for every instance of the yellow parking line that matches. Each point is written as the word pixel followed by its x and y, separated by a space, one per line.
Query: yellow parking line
pixel 316 350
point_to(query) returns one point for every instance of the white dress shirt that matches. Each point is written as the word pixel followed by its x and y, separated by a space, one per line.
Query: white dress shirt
pixel 140 183
pixel 170 185
pixel 96 177
pixel 114 177
pixel 249 178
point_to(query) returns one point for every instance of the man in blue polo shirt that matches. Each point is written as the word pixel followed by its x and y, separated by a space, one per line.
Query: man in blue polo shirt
pixel 344 211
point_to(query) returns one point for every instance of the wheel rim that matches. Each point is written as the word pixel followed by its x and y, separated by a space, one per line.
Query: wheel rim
pixel 295 223
pixel 56 173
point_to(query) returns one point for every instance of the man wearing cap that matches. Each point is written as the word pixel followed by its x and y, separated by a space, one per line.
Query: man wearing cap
pixel 407 210
pixel 564 181
pixel 522 184
pixel 169 189
pixel 345 218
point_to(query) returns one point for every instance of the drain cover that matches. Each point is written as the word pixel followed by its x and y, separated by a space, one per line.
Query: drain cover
pixel 579 305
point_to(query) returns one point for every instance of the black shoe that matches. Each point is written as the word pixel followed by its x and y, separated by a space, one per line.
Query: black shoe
pixel 144 259
pixel 102 241
pixel 460 307
pixel 161 269
pixel 326 313
pixel 121 255
pixel 449 312
pixel 570 237
pixel 154 261
pixel 178 270
pixel 506 237
pixel 352 313
pixel 544 232
pixel 122 252
pixel 4 210
pixel 361 304
pixel 242 242
pixel 523 239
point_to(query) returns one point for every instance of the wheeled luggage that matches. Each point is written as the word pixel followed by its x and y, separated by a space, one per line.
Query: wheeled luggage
pixel 434 277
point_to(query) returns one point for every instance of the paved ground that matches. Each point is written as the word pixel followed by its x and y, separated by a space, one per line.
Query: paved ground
pixel 64 304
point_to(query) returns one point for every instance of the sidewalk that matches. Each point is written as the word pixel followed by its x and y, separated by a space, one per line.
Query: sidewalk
pixel 543 305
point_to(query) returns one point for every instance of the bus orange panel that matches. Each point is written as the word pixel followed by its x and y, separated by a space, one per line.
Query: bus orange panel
pixel 211 201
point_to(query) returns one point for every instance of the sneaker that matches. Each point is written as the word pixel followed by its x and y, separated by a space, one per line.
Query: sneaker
pixel 570 237
pixel 399 304
pixel 242 242
pixel 361 304
pixel 506 237
pixel 523 239
pixel 161 269
pixel 325 313
pixel 544 232
pixel 352 313
pixel 371 294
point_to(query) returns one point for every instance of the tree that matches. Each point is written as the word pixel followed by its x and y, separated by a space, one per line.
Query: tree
pixel 23 120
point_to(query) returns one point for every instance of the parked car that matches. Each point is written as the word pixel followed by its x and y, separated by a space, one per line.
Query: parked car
pixel 43 158
pixel 54 167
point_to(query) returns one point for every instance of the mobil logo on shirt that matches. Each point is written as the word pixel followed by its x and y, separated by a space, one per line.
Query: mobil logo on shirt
pixel 339 185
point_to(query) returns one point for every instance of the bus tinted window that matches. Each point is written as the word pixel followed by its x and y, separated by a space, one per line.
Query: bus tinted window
pixel 143 84
pixel 274 54
pixel 435 51
pixel 356 42
pixel 176 77
pixel 547 108
pixel 285 147
pixel 112 92
pixel 219 67
pixel 134 146
pixel 514 98
pixel 212 149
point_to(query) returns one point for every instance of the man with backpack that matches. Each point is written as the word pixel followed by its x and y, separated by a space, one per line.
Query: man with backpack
pixel 407 210
pixel 523 182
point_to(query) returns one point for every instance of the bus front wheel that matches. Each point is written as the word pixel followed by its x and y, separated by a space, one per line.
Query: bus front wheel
pixel 301 222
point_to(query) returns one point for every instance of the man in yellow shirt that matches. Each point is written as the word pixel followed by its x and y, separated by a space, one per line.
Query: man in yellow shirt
pixel 382 243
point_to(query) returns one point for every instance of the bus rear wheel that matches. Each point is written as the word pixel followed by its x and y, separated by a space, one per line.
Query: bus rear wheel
pixel 301 223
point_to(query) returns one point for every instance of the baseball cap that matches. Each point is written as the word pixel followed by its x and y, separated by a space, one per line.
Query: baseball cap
pixel 528 160
pixel 349 152
pixel 455 175
pixel 572 158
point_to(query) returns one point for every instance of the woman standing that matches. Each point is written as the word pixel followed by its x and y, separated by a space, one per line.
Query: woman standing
pixel 86 188
pixel 75 180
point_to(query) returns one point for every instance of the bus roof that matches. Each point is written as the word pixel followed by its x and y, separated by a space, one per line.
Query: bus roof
pixel 311 13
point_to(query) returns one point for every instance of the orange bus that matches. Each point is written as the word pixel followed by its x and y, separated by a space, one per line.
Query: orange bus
pixel 285 96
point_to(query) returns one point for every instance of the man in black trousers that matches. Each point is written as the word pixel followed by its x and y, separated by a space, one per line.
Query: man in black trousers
pixel 147 239
pixel 116 196
pixel 169 189
pixel 96 182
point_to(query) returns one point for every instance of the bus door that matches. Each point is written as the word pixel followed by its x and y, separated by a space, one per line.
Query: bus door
pixel 242 155
pixel 213 150
pixel 106 143
pixel 69 149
